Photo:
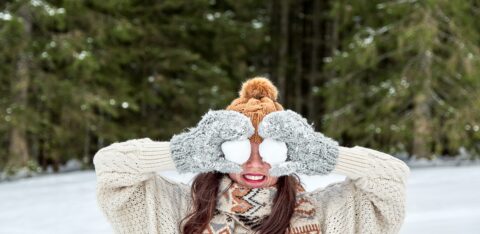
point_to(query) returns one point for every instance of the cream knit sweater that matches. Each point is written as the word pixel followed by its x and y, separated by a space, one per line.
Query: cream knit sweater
pixel 137 200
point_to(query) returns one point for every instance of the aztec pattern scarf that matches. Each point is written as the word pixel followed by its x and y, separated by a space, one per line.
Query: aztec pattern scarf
pixel 247 207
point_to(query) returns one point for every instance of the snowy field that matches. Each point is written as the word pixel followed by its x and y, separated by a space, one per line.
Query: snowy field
pixel 440 201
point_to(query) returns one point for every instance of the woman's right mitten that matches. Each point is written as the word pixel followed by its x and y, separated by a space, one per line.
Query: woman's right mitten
pixel 199 149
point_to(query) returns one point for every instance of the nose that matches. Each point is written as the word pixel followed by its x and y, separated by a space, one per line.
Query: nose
pixel 255 160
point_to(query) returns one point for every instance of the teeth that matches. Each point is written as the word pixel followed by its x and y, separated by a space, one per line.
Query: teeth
pixel 250 177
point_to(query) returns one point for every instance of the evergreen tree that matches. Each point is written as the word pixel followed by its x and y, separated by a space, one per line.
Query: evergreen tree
pixel 406 76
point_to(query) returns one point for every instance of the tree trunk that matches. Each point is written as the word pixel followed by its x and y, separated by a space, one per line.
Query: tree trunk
pixel 421 126
pixel 422 113
pixel 313 76
pixel 87 157
pixel 18 148
pixel 283 51
pixel 298 30
pixel 298 34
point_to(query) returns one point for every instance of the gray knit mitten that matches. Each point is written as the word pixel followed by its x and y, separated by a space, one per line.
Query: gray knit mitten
pixel 199 149
pixel 309 152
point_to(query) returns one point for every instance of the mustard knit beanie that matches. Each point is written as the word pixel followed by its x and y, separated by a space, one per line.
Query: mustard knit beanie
pixel 258 97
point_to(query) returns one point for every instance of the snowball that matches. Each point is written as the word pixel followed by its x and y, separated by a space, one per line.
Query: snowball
pixel 237 151
pixel 273 152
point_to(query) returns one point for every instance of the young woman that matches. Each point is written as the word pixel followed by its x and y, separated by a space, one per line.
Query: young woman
pixel 247 158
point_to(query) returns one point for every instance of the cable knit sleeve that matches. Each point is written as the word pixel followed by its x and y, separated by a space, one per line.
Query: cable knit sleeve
pixel 371 199
pixel 129 192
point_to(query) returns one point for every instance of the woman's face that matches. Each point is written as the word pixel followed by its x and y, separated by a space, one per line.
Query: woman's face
pixel 255 171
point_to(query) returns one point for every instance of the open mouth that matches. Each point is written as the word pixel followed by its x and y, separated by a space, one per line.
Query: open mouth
pixel 254 178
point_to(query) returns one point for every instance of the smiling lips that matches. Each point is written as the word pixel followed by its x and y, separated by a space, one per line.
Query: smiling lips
pixel 253 178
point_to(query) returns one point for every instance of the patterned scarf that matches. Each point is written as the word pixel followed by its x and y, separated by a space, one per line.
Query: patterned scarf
pixel 247 207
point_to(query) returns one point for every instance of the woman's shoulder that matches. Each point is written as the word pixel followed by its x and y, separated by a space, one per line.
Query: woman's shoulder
pixel 172 186
pixel 333 195
pixel 172 197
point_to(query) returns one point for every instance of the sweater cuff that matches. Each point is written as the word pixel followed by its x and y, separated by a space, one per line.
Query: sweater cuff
pixel 352 162
pixel 155 156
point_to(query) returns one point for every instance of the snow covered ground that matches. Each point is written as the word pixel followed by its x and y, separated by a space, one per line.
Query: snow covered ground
pixel 440 200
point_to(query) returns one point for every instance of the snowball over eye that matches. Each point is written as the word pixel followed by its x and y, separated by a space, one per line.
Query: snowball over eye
pixel 272 151
pixel 237 151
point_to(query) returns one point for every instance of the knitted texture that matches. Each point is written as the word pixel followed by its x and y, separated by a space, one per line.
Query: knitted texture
pixel 199 149
pixel 258 97
pixel 132 197
pixel 309 152
pixel 136 200
pixel 243 208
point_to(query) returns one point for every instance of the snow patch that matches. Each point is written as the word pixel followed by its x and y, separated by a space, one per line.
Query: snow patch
pixel 439 200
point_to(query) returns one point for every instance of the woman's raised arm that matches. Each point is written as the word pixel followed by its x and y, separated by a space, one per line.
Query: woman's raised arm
pixel 374 192
pixel 131 195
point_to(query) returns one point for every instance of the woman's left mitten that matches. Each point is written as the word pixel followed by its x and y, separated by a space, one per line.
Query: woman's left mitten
pixel 309 152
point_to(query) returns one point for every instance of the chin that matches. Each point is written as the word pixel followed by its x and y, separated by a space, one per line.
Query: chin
pixel 254 179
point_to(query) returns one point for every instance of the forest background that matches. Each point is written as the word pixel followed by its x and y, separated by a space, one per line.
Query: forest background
pixel 398 76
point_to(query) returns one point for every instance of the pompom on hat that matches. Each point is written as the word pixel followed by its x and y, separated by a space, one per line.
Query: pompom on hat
pixel 258 97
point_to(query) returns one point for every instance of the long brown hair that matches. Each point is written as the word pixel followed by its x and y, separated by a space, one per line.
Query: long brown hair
pixel 204 192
